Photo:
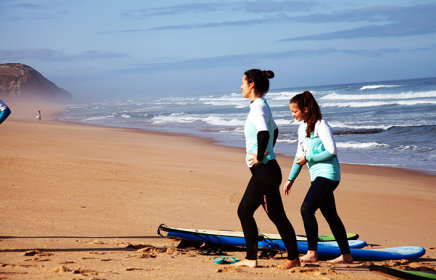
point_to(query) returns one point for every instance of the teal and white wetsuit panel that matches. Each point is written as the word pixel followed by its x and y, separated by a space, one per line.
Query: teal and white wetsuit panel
pixel 259 119
pixel 320 153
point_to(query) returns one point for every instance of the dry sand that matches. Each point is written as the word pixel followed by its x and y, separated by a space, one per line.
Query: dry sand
pixel 84 202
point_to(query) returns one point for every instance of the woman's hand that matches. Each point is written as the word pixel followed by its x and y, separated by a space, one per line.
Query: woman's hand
pixel 287 187
pixel 253 160
pixel 301 161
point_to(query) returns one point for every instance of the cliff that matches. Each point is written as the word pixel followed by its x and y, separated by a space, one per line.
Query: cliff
pixel 22 82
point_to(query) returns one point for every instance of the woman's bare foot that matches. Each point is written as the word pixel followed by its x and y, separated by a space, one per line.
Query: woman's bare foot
pixel 311 256
pixel 346 258
pixel 288 264
pixel 246 263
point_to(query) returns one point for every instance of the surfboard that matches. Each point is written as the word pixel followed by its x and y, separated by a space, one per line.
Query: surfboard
pixel 328 249
pixel 4 111
pixel 235 238
pixel 269 236
pixel 401 273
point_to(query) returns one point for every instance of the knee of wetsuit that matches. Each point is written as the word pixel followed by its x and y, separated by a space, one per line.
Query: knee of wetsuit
pixel 306 209
pixel 242 213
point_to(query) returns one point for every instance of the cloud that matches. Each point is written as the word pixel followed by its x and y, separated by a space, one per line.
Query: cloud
pixel 176 9
pixel 133 30
pixel 26 6
pixel 261 6
pixel 27 11
pixel 51 55
pixel 381 31
pixel 93 55
pixel 11 55
pixel 392 22
pixel 211 24
pixel 239 60
pixel 251 7
pixel 365 14
pixel 386 21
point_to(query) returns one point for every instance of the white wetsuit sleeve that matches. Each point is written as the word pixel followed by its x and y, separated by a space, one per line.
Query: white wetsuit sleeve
pixel 259 116
pixel 325 134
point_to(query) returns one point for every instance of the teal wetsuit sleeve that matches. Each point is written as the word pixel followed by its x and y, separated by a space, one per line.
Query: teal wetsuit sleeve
pixel 324 156
pixel 296 168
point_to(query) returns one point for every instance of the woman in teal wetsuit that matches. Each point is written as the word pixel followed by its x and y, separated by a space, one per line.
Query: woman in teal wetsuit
pixel 264 187
pixel 317 149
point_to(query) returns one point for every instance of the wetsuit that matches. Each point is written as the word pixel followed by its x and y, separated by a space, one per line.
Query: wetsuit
pixel 4 111
pixel 320 153
pixel 264 187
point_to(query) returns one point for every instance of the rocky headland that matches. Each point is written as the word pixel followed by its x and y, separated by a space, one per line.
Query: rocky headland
pixel 22 82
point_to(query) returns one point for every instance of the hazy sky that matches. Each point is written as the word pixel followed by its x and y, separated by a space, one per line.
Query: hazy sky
pixel 194 47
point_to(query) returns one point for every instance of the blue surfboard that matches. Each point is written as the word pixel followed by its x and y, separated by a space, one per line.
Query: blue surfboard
pixel 236 238
pixel 325 249
pixel 276 245
pixel 268 236
pixel 4 111
pixel 331 250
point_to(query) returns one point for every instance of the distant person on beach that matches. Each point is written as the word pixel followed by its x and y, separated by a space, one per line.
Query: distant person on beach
pixel 264 186
pixel 38 115
pixel 317 149
pixel 4 111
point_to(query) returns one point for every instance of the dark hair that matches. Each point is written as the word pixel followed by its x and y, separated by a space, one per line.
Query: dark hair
pixel 260 79
pixel 306 99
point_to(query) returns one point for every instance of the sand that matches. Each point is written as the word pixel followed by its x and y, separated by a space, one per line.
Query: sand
pixel 84 202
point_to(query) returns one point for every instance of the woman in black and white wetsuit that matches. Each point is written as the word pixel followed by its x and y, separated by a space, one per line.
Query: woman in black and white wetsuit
pixel 264 187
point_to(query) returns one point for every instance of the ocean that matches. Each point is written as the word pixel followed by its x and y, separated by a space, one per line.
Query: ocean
pixel 384 123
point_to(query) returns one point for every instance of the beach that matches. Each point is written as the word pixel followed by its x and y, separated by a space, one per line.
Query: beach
pixel 84 202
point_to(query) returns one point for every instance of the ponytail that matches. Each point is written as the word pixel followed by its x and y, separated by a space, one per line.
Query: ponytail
pixel 306 100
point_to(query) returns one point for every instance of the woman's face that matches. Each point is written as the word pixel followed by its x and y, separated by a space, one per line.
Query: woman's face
pixel 297 113
pixel 245 87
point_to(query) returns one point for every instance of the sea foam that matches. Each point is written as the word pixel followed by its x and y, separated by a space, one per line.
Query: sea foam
pixel 380 96
pixel 378 86
pixel 356 145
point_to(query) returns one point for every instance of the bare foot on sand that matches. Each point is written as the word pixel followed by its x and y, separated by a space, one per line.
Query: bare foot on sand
pixel 288 264
pixel 311 256
pixel 346 258
pixel 246 263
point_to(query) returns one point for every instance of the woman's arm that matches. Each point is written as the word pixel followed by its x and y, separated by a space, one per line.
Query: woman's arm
pixel 262 144
pixel 295 170
pixel 325 133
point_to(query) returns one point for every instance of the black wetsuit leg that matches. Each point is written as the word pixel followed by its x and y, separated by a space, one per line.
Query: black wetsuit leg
pixel 320 195
pixel 264 189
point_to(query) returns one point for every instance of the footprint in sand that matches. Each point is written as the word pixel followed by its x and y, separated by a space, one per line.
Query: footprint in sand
pixel 133 269
pixel 234 198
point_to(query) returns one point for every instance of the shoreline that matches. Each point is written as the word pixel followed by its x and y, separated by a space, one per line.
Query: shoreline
pixel 224 143
pixel 213 141
pixel 82 194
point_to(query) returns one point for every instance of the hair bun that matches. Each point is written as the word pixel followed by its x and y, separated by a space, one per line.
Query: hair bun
pixel 269 74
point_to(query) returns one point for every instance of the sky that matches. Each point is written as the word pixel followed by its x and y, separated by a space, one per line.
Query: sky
pixel 114 49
